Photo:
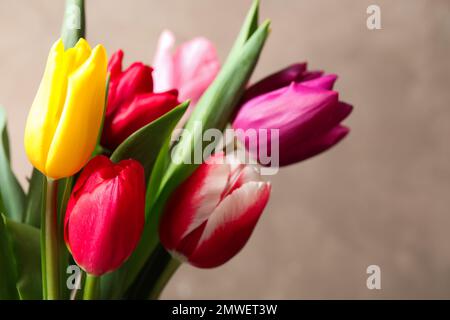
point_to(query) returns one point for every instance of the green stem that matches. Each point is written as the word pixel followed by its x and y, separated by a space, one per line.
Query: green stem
pixel 169 270
pixel 91 287
pixel 154 276
pixel 50 241
pixel 65 186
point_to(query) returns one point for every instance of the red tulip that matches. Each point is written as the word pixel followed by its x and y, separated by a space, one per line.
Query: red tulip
pixel 212 214
pixel 105 214
pixel 132 103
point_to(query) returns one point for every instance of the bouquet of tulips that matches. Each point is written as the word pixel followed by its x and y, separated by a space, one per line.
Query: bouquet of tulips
pixel 139 169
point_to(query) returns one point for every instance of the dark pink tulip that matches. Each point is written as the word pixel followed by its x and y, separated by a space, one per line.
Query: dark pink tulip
pixel 211 216
pixel 105 214
pixel 306 113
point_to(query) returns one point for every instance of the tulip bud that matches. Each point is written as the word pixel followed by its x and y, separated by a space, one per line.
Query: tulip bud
pixel 66 115
pixel 306 113
pixel 105 214
pixel 213 213
pixel 131 101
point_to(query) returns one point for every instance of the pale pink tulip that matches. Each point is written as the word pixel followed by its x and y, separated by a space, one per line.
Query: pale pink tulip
pixel 190 68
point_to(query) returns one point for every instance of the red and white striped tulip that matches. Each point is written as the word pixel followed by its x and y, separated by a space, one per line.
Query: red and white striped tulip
pixel 211 216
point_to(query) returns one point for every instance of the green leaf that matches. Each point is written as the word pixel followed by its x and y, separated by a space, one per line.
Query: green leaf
pixel 26 249
pixel 2 206
pixel 20 265
pixel 34 199
pixel 161 164
pixel 8 272
pixel 74 23
pixel 145 144
pixel 11 192
pixel 64 191
pixel 248 28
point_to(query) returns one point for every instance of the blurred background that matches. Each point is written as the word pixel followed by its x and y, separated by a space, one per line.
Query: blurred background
pixel 380 197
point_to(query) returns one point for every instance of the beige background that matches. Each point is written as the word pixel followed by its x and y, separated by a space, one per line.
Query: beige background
pixel 380 197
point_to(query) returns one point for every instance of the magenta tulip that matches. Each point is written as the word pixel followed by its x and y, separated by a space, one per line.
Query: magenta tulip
pixel 302 106
pixel 105 214
pixel 213 213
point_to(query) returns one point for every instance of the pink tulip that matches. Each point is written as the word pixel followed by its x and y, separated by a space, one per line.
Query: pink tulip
pixel 213 213
pixel 302 106
pixel 190 69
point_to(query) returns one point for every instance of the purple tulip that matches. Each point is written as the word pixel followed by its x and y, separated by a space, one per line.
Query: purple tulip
pixel 302 106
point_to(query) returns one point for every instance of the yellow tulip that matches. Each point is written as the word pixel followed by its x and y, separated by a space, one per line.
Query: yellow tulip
pixel 66 115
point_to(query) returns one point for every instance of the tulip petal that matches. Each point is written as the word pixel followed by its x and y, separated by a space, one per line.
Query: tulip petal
pixel 78 127
pixel 182 216
pixel 240 175
pixel 230 225
pixel 42 119
pixel 132 116
pixel 92 172
pixel 81 53
pixel 196 66
pixel 311 75
pixel 136 79
pixel 115 63
pixel 313 147
pixel 277 80
pixel 163 63
pixel 325 82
